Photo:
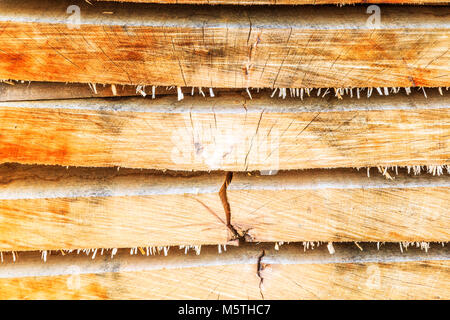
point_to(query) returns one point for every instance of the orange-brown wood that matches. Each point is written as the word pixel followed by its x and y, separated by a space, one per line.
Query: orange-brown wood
pixel 49 208
pixel 337 205
pixel 412 280
pixel 288 273
pixel 213 282
pixel 409 280
pixel 224 46
pixel 228 132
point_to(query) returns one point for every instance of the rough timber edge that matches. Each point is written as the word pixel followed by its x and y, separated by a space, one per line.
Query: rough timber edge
pixel 20 90
pixel 297 101
pixel 160 15
pixel 50 182
pixel 31 264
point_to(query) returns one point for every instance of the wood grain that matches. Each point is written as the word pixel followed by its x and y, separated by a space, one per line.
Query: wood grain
pixel 53 208
pixel 340 206
pixel 228 132
pixel 233 275
pixel 215 282
pixel 412 280
pixel 31 263
pixel 229 47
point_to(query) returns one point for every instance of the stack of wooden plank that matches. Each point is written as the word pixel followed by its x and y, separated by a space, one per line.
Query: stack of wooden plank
pixel 158 150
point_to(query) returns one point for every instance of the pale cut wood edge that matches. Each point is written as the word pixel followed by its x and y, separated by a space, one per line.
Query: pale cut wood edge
pixel 236 102
pixel 16 91
pixel 50 208
pixel 339 178
pixel 36 90
pixel 339 205
pixel 46 182
pixel 31 264
pixel 318 18
pixel 13 91
pixel 240 70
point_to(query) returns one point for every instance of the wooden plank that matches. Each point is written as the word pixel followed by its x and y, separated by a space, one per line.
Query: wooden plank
pixel 413 280
pixel 340 205
pixel 228 132
pixel 230 47
pixel 32 264
pixel 215 282
pixel 386 274
pixel 48 208
pixel 285 2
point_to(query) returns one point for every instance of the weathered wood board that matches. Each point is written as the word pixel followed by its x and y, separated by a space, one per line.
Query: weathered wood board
pixel 288 273
pixel 229 132
pixel 230 47
pixel 49 208
pixel 414 280
pixel 337 205
pixel 214 282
